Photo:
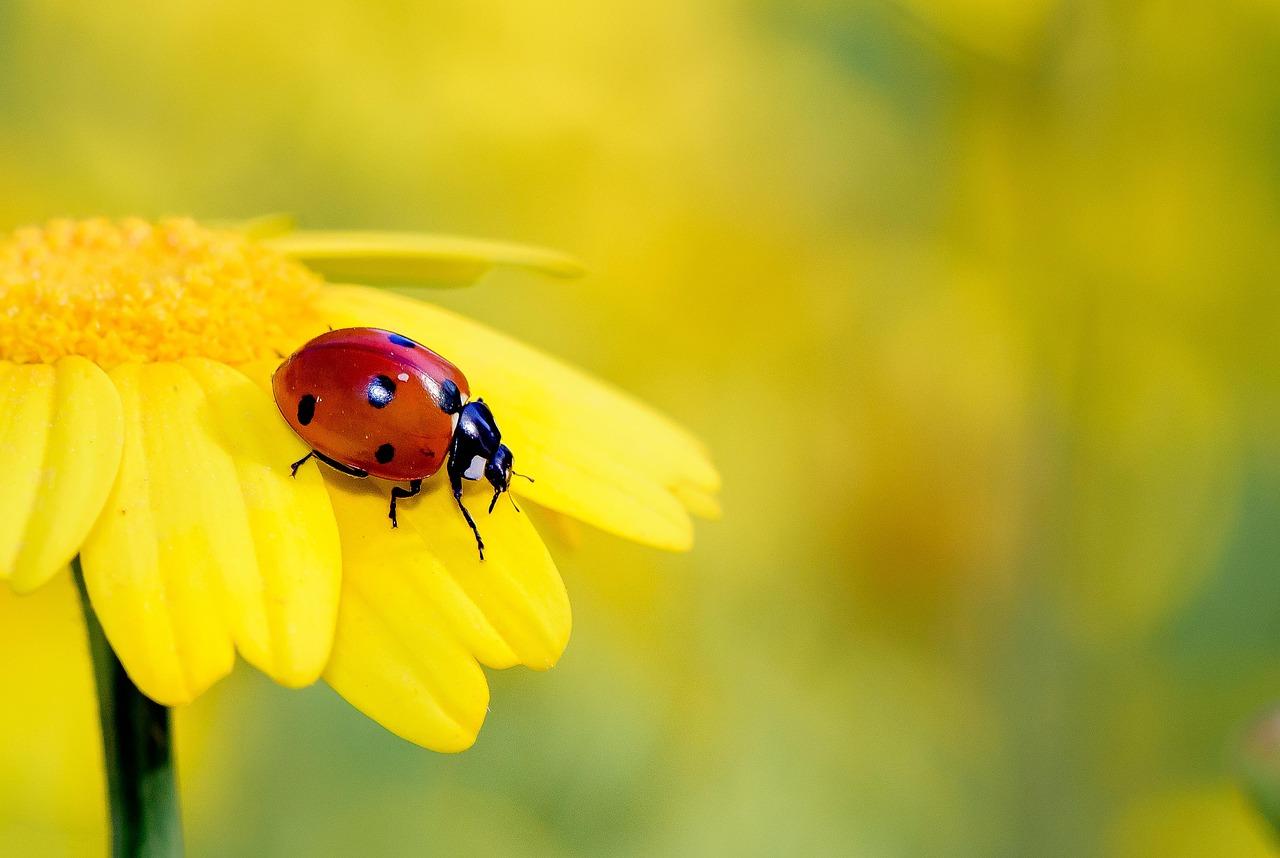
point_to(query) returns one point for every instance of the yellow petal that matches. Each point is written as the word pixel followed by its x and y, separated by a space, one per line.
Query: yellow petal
pixel 596 488
pixel 564 530
pixel 598 454
pixel 701 503
pixel 206 544
pixel 60 438
pixel 261 227
pixel 419 608
pixel 287 611
pixel 259 372
pixel 414 258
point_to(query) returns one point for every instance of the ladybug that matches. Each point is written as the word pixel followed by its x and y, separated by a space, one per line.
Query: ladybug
pixel 375 403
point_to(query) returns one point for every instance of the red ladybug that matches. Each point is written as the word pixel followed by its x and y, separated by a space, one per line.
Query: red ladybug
pixel 371 402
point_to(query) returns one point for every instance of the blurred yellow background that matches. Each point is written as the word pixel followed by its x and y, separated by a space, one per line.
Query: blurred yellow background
pixel 974 302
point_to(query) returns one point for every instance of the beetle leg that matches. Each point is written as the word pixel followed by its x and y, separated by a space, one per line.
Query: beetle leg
pixel 415 486
pixel 338 466
pixel 293 469
pixel 457 495
pixel 455 480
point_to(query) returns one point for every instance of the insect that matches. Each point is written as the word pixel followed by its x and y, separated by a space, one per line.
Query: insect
pixel 371 402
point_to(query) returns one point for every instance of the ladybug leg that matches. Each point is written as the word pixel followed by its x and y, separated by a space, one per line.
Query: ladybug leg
pixel 339 467
pixel 457 495
pixel 455 480
pixel 293 469
pixel 415 486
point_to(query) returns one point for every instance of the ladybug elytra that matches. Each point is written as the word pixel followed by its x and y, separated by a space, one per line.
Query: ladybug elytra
pixel 370 402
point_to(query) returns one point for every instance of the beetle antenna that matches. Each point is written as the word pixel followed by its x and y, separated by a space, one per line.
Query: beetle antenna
pixel 494 502
pixel 526 476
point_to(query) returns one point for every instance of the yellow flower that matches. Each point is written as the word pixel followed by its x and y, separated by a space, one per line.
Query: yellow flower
pixel 138 431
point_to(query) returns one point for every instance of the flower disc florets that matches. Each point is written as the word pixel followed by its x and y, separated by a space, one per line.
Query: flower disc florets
pixel 134 291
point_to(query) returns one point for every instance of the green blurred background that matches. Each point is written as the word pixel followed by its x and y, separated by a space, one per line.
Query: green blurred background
pixel 974 302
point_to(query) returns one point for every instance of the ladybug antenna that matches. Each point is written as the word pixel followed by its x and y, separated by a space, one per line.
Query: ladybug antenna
pixel 494 502
pixel 526 476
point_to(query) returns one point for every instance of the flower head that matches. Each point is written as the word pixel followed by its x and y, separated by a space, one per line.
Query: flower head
pixel 140 434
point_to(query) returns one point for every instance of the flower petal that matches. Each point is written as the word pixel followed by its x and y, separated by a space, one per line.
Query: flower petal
pixel 261 227
pixel 60 443
pixel 595 488
pixel 419 608
pixel 288 610
pixel 618 475
pixel 414 258
pixel 206 542
pixel 702 503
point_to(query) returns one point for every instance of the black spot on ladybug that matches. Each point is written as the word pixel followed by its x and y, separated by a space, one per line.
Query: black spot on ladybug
pixel 381 391
pixel 450 397
pixel 385 453
pixel 398 340
pixel 306 409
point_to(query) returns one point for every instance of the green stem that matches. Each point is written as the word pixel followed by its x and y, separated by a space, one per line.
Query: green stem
pixel 141 787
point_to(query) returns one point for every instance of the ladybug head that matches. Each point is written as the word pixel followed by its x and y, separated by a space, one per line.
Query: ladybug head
pixel 498 472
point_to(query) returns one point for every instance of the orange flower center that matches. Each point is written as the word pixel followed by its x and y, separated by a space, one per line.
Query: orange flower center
pixel 133 291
